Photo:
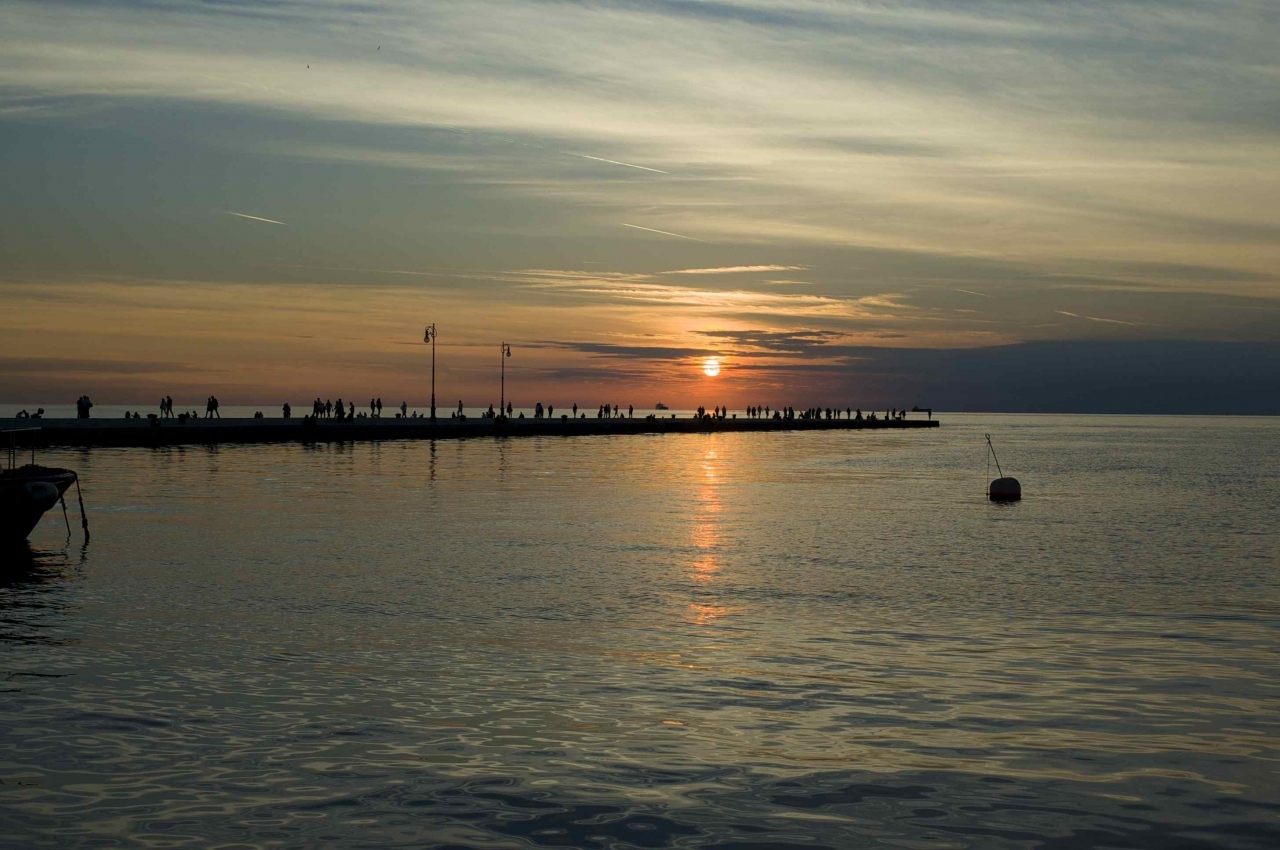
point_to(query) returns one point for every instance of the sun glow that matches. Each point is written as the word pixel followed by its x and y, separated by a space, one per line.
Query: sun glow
pixel 711 367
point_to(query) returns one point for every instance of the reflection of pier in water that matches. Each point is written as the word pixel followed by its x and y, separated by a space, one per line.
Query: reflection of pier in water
pixel 122 433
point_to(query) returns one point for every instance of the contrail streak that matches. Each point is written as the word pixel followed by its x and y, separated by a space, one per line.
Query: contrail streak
pixel 256 218
pixel 971 292
pixel 615 162
pixel 1095 318
pixel 663 232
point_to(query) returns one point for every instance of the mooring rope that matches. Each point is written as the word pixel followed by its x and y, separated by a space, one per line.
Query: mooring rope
pixel 84 520
pixel 62 499
pixel 992 454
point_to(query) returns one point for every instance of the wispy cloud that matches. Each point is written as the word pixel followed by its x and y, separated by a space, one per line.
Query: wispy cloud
pixel 640 288
pixel 738 269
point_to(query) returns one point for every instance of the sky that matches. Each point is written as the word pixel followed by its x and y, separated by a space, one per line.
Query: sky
pixel 1044 206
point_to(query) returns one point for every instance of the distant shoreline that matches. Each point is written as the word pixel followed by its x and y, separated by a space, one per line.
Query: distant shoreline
pixel 120 433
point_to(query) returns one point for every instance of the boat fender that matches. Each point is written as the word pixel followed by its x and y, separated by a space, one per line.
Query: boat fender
pixel 41 494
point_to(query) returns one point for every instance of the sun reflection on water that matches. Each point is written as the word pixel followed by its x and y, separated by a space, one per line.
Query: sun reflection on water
pixel 705 535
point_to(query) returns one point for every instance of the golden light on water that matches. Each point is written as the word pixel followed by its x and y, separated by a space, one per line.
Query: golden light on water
pixel 711 367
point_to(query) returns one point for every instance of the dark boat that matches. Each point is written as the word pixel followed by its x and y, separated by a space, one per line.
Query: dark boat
pixel 26 492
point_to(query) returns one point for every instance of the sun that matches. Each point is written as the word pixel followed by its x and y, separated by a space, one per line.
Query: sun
pixel 711 367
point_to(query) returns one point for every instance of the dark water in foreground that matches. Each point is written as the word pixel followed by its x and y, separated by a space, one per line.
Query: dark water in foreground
pixel 824 639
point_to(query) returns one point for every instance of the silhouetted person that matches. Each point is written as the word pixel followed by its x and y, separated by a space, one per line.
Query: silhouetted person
pixel 575 410
pixel 379 408
pixel 351 414
pixel 287 410
pixel 508 408
pixel 404 409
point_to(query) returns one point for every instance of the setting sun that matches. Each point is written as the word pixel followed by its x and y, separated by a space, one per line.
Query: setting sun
pixel 711 367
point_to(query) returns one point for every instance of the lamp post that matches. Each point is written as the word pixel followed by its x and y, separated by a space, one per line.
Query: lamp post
pixel 502 398
pixel 430 336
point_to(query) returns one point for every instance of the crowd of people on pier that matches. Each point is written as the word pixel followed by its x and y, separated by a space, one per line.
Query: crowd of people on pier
pixel 345 411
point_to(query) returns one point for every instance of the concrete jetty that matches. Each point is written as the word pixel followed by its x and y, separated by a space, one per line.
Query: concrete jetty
pixel 170 432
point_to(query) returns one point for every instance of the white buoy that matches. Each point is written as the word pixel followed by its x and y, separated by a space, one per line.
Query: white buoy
pixel 1004 488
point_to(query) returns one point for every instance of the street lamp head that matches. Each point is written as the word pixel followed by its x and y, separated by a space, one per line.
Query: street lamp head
pixel 429 333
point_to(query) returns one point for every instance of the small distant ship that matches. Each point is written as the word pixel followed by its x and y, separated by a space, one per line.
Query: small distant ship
pixel 660 406
pixel 26 492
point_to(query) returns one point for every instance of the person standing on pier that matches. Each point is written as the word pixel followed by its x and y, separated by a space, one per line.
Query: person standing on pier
pixel 631 411
pixel 404 410
pixel 379 408
pixel 286 410
pixel 459 408
pixel 575 410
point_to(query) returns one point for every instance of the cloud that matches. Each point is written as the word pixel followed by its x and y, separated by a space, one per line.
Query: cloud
pixel 738 269
pixel 788 342
pixel 635 352
pixel 1002 128
pixel 638 288
pixel 72 365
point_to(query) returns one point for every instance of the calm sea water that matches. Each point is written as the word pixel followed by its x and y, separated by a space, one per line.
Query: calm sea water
pixel 734 641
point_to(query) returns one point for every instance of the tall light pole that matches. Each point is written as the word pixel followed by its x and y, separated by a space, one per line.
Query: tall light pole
pixel 502 399
pixel 430 336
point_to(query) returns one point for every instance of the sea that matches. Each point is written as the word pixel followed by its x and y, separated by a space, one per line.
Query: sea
pixel 751 641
